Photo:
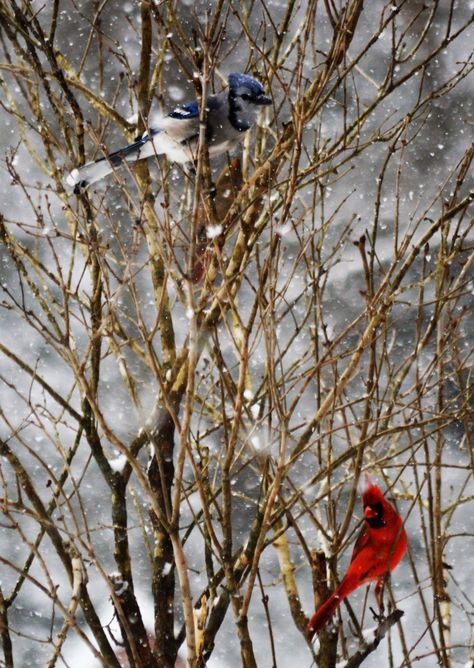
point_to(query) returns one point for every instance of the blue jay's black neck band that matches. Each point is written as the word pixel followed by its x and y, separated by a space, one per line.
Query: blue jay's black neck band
pixel 237 123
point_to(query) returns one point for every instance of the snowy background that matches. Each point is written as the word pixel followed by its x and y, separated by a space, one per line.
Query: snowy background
pixel 40 433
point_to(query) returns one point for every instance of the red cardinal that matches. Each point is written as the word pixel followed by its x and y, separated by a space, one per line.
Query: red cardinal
pixel 378 549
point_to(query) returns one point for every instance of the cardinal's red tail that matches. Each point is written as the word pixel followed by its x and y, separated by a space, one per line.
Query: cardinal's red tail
pixel 324 613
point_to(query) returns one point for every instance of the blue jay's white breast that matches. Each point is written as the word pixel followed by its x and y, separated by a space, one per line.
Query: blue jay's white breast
pixel 178 138
pixel 163 143
pixel 174 137
pixel 180 129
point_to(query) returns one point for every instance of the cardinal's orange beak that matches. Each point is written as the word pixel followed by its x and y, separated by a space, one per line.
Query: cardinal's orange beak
pixel 369 513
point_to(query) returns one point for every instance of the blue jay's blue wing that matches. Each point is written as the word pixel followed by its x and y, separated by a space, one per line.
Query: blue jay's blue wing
pixel 186 112
pixel 182 124
pixel 191 110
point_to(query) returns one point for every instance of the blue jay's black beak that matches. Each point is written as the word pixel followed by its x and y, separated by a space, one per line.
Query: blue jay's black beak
pixel 263 100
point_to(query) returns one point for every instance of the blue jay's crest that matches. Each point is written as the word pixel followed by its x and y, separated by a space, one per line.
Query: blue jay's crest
pixel 242 85
pixel 244 81
pixel 229 115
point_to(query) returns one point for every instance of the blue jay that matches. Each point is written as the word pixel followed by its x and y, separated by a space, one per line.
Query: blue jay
pixel 229 115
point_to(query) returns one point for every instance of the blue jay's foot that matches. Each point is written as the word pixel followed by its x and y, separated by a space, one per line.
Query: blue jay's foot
pixel 80 187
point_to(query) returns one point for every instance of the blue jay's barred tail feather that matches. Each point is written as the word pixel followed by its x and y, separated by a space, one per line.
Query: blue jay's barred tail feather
pixel 229 115
pixel 97 169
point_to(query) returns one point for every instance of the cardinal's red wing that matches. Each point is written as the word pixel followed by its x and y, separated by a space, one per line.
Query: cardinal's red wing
pixel 362 541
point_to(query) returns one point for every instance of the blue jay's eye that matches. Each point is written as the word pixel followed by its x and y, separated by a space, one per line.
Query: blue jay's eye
pixel 245 96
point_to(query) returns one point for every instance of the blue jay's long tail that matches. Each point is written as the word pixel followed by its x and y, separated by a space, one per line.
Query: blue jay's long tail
pixel 94 171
